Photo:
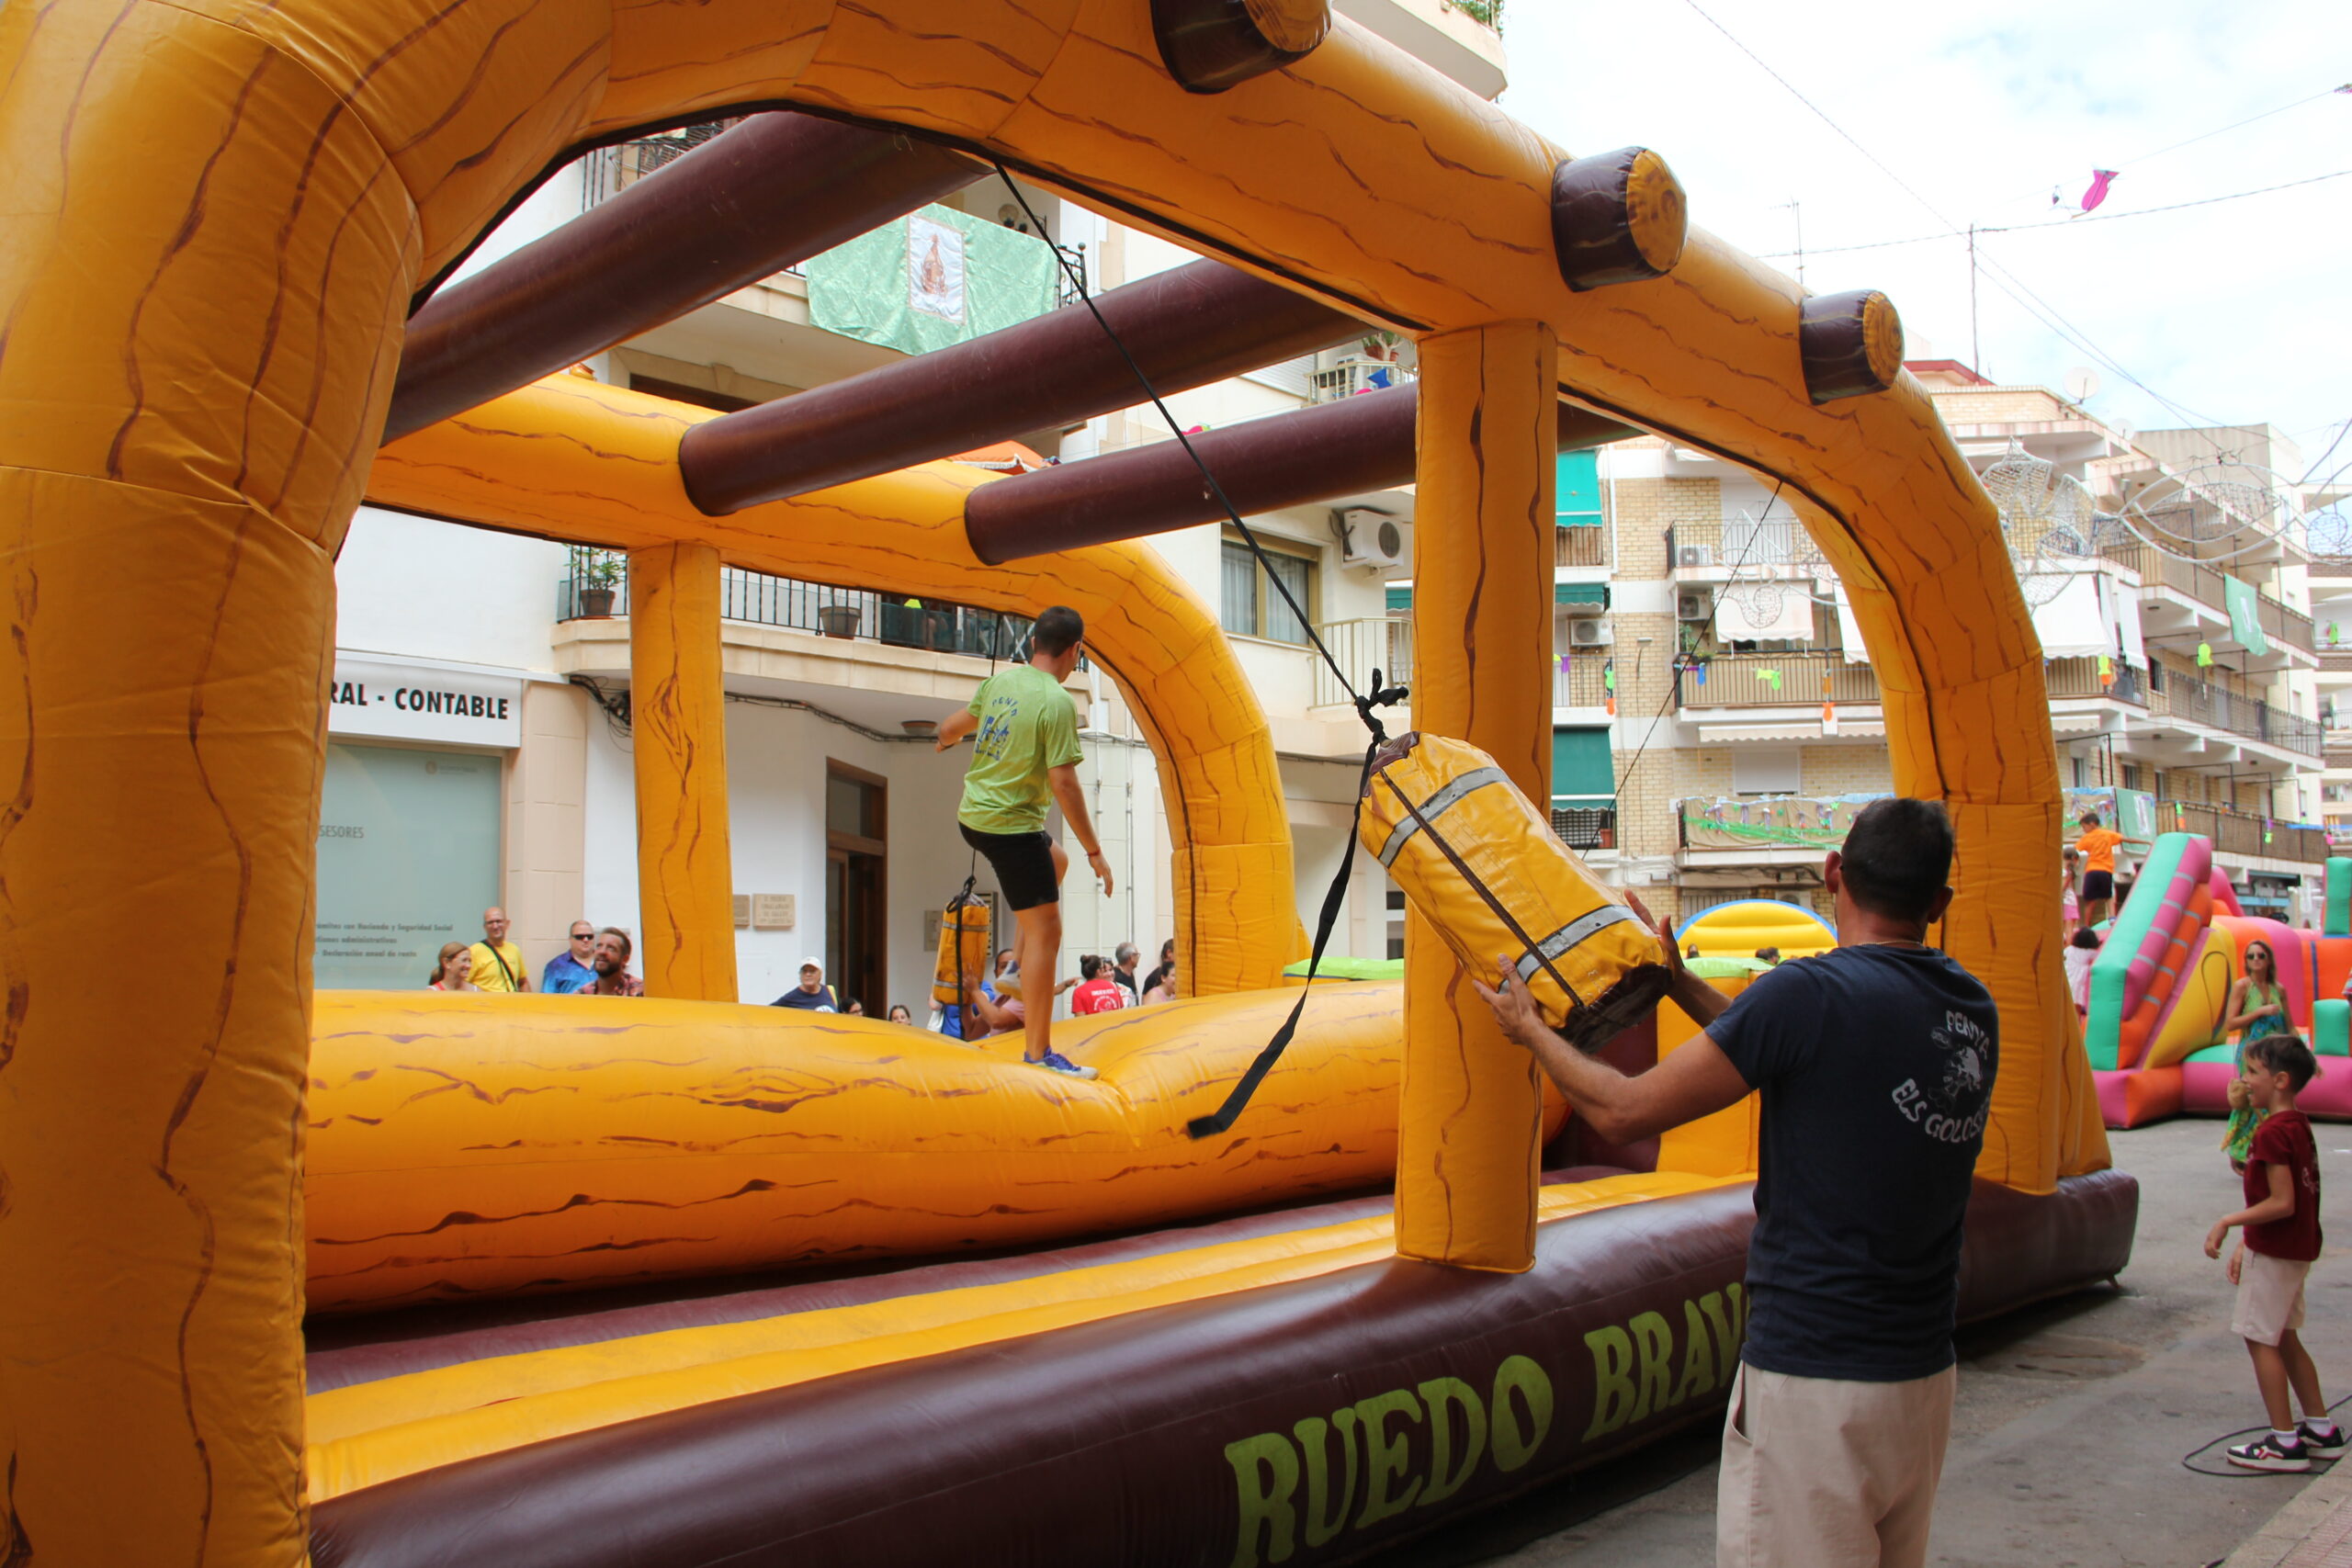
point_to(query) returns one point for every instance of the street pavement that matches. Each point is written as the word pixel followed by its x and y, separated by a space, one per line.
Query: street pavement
pixel 2071 1420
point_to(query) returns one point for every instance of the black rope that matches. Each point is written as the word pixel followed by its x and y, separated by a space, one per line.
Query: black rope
pixel 1379 696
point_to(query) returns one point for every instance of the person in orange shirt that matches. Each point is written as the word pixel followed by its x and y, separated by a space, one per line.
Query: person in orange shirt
pixel 2097 846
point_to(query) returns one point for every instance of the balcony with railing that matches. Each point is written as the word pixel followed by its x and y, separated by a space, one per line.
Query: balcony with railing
pixel 2203 581
pixel 596 587
pixel 2243 833
pixel 1353 374
pixel 1583 545
pixel 1794 680
pixel 1710 547
pixel 2217 708
pixel 1580 680
pixel 1384 643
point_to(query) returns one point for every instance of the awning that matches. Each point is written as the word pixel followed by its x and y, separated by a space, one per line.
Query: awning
pixel 2074 624
pixel 1400 598
pixel 1582 768
pixel 1765 612
pixel 1595 595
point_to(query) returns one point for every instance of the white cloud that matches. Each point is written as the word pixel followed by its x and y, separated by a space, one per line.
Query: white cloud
pixel 2234 312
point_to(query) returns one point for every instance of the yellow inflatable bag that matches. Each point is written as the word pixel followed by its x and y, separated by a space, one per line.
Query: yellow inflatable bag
pixel 1483 866
pixel 962 950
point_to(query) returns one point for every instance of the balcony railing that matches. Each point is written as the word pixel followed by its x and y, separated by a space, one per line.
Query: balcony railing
pixel 2203 583
pixel 1725 542
pixel 1774 680
pixel 2080 678
pixel 758 599
pixel 2240 833
pixel 2217 708
pixel 1580 545
pixel 1583 684
pixel 1353 374
pixel 1586 828
pixel 1377 642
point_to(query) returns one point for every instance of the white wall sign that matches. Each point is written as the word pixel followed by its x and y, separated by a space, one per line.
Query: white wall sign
pixel 395 700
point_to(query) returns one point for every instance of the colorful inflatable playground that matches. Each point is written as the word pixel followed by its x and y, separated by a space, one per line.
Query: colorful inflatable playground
pixel 398 1279
pixel 2160 989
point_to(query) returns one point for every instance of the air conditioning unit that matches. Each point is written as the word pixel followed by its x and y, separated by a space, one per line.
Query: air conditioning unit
pixel 1589 631
pixel 1371 539
pixel 1694 555
pixel 1697 605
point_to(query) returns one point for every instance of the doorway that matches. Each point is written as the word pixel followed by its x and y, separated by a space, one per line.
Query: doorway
pixel 857 815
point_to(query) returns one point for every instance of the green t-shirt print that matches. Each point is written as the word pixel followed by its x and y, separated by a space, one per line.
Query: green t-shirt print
pixel 1027 725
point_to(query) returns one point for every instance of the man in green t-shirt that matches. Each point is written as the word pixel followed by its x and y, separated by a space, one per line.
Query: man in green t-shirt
pixel 1024 761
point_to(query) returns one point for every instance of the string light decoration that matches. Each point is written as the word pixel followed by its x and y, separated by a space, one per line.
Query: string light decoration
pixel 2214 511
pixel 2049 521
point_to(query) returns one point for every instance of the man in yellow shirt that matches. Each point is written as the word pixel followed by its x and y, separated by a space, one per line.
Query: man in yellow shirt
pixel 498 962
pixel 2097 847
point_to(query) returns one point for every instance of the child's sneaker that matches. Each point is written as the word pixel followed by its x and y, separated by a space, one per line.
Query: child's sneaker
pixel 2267 1452
pixel 2329 1446
pixel 1055 1062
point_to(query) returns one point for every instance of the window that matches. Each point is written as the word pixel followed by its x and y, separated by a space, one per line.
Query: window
pixel 1248 603
pixel 407 857
pixel 2130 775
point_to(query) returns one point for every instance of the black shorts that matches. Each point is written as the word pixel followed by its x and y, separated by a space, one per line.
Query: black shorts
pixel 2099 884
pixel 1024 864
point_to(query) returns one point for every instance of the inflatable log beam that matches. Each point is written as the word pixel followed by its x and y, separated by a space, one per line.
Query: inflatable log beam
pixel 1363 443
pixel 765 194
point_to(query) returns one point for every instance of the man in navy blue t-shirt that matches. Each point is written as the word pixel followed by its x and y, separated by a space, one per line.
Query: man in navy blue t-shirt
pixel 1876 1063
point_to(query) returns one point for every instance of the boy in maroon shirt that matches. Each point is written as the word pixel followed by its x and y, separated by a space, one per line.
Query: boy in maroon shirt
pixel 2283 1237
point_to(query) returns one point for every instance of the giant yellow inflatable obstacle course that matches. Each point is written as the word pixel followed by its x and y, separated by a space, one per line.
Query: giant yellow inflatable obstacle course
pixel 220 216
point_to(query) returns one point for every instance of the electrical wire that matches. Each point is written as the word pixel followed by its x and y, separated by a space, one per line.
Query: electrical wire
pixel 2053 222
pixel 2237 1472
pixel 2054 320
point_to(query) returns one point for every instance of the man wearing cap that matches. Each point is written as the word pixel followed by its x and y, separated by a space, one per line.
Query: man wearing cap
pixel 812 995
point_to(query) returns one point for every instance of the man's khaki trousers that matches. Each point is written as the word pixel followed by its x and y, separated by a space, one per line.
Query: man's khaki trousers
pixel 1819 1473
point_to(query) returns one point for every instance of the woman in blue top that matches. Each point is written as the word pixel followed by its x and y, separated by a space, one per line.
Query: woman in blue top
pixel 2258 1006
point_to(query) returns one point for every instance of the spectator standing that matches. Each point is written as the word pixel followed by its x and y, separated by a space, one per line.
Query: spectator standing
pixel 574 969
pixel 2082 952
pixel 1122 970
pixel 1769 955
pixel 498 962
pixel 611 962
pixel 899 1015
pixel 1163 989
pixel 1875 1063
pixel 812 995
pixel 2275 1254
pixel 2097 847
pixel 854 1009
pixel 1097 991
pixel 454 970
pixel 1167 962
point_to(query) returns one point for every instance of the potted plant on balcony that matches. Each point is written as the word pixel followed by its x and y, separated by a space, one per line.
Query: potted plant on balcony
pixel 838 619
pixel 599 577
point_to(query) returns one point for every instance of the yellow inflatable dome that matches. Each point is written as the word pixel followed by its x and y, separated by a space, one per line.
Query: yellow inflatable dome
pixel 1739 930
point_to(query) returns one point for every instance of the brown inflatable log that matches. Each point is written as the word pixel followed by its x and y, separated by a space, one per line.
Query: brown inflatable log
pixel 1210 45
pixel 1852 345
pixel 1358 444
pixel 767 195
pixel 1617 218
pixel 1187 327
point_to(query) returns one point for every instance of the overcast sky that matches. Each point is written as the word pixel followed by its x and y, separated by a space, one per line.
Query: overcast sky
pixel 2239 311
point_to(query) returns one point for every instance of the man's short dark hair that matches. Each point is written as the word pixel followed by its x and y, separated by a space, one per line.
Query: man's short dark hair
pixel 2284 1054
pixel 2090 818
pixel 1091 965
pixel 1057 631
pixel 628 946
pixel 1897 856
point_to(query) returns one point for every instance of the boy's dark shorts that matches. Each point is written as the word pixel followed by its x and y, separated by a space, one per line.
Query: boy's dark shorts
pixel 1024 864
pixel 2099 884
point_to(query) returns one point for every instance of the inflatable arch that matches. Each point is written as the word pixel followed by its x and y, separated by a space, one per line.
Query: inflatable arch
pixel 220 216
pixel 1737 929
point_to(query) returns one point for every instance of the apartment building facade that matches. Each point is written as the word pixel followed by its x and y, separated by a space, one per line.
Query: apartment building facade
pixel 2182 656
pixel 479 742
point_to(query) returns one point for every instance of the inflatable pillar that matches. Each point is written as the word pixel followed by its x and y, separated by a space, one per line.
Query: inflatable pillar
pixel 1470 1125
pixel 2337 921
pixel 678 723
pixel 175 479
